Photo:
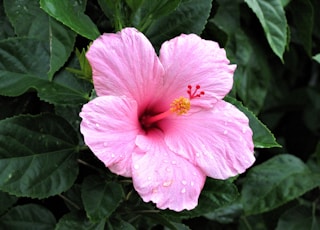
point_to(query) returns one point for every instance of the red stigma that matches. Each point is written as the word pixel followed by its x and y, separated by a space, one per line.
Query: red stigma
pixel 195 93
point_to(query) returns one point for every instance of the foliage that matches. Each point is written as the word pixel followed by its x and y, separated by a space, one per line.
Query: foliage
pixel 50 179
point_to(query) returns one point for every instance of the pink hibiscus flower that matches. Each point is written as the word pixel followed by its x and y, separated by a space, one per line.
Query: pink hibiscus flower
pixel 161 120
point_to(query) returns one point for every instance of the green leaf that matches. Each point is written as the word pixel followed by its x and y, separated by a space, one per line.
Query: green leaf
pixel 189 17
pixel 285 2
pixel 226 214
pixel 30 21
pixel 273 20
pixel 149 11
pixel 215 194
pixel 100 198
pixel 37 156
pixel 298 218
pixel 227 17
pixel 118 224
pixel 117 12
pixel 262 136
pixel 6 28
pixel 85 71
pixel 61 42
pixel 78 221
pixel 6 201
pixel 27 18
pixel 73 198
pixel 134 4
pixel 252 76
pixel 301 14
pixel 26 217
pixel 275 182
pixel 24 65
pixel 73 17
pixel 159 219
pixel 316 58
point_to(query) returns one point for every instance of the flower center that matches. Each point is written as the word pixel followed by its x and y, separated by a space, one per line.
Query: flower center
pixel 178 106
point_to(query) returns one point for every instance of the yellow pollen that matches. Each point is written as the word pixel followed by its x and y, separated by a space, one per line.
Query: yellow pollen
pixel 180 105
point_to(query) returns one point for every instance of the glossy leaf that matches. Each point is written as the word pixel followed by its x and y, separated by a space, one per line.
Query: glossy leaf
pixel 115 224
pixel 26 217
pixel 272 18
pixel 301 13
pixel 297 218
pixel 226 214
pixel 73 17
pixel 29 20
pixel 77 220
pixel 262 136
pixel 73 198
pixel 100 198
pixel 189 17
pixel 37 156
pixel 275 182
pixel 252 76
pixel 6 201
pixel 149 11
pixel 24 65
pixel 5 25
pixel 134 4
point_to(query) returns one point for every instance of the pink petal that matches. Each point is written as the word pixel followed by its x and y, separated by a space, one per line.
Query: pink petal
pixel 190 60
pixel 161 176
pixel 110 126
pixel 126 64
pixel 218 140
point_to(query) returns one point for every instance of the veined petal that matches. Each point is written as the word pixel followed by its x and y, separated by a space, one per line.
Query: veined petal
pixel 190 60
pixel 163 177
pixel 110 126
pixel 218 140
pixel 126 64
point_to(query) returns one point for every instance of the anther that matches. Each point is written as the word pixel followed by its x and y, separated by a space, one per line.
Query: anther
pixel 180 105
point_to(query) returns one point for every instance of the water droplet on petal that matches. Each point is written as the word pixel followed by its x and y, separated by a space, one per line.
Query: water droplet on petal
pixel 192 183
pixel 149 177
pixel 183 190
pixel 198 154
pixel 225 132
pixel 173 162
pixel 167 183
pixel 112 155
pixel 105 144
pixel 244 130
pixel 136 166
pixel 97 125
pixel 184 182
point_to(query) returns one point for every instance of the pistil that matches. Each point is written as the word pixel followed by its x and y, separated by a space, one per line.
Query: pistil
pixel 178 106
